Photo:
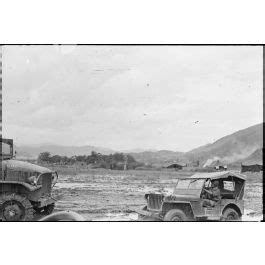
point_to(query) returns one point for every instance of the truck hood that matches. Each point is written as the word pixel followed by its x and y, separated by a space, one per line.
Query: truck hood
pixel 22 166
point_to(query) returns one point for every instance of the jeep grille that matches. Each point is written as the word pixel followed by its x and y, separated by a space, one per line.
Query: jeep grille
pixel 154 201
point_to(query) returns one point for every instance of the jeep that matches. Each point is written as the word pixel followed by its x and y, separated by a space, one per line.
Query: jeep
pixel 186 201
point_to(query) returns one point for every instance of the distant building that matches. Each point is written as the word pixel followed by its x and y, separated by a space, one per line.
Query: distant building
pixel 176 166
pixel 221 167
pixel 254 163
pixel 251 168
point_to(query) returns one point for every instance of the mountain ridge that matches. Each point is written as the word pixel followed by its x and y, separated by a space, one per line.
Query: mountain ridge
pixel 233 147
pixel 230 148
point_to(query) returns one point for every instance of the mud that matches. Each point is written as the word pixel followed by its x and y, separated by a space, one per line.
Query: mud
pixel 113 195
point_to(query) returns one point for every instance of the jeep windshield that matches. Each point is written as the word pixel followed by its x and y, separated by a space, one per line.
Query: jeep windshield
pixel 190 184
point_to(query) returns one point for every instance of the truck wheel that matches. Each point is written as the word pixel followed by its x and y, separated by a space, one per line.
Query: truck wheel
pixel 14 207
pixel 230 214
pixel 175 215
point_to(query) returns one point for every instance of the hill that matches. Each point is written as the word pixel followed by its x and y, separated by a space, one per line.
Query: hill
pixel 231 148
pixel 254 158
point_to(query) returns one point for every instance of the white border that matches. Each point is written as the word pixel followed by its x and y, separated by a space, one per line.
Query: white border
pixel 136 21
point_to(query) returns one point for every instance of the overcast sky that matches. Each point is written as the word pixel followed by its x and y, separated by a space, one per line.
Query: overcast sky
pixel 130 97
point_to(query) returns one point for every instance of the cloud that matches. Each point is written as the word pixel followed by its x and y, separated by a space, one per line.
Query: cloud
pixel 130 96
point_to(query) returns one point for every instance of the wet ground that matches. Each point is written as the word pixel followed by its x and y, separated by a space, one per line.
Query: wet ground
pixel 101 195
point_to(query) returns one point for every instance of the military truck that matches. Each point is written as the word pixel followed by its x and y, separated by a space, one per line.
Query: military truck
pixel 24 187
pixel 186 201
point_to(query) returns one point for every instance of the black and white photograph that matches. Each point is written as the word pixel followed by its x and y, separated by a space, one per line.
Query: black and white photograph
pixel 134 133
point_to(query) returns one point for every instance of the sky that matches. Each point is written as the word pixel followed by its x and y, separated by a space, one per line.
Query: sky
pixel 130 97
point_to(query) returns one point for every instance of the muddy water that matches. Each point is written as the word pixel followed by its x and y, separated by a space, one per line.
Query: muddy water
pixel 113 196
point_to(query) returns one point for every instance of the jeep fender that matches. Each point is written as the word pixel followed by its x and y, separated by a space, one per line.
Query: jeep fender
pixel 233 206
pixel 186 207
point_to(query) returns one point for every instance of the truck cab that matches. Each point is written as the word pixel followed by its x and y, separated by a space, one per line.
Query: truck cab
pixel 24 187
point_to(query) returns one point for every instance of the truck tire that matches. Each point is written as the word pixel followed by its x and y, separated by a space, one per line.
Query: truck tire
pixel 175 215
pixel 230 214
pixel 15 207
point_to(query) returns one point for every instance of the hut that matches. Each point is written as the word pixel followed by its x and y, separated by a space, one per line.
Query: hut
pixel 176 166
pixel 251 168
pixel 254 162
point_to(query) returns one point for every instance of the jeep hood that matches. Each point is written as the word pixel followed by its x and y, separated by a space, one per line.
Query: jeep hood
pixel 155 200
pixel 183 197
pixel 22 166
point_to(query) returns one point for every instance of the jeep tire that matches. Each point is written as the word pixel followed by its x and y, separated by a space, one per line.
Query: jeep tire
pixel 230 214
pixel 175 215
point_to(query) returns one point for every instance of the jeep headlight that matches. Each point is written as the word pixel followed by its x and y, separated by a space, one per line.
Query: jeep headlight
pixel 33 180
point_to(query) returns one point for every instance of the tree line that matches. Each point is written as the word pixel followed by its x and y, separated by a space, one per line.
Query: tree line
pixel 95 160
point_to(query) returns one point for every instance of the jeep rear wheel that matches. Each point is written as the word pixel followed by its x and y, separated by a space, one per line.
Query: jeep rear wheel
pixel 230 215
pixel 175 215
pixel 14 207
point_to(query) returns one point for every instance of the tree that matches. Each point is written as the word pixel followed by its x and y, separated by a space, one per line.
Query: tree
pixel 56 159
pixel 44 157
pixel 131 159
pixel 94 157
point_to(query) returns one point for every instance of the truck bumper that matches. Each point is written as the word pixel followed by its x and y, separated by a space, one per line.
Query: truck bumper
pixel 42 202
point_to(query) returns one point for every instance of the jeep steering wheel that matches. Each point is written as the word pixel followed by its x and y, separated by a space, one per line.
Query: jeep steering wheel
pixel 63 216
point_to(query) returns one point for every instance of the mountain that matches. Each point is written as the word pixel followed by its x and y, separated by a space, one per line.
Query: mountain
pixel 254 158
pixel 138 150
pixel 231 148
pixel 32 151
pixel 236 147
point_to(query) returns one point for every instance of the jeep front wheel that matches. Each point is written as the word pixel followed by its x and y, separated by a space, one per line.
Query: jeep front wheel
pixel 230 215
pixel 175 215
pixel 14 207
